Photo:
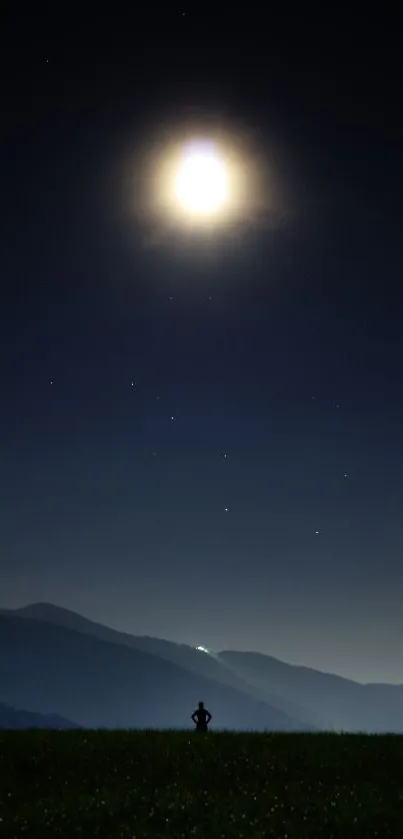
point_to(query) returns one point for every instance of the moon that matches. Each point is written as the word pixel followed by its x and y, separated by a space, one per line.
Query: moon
pixel 196 180
pixel 201 183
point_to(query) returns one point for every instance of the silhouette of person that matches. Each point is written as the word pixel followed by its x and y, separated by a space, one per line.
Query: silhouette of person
pixel 201 717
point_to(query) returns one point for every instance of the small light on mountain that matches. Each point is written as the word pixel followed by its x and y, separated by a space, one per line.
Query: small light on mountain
pixel 203 650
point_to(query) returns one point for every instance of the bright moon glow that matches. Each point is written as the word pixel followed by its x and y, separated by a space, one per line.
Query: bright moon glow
pixel 202 650
pixel 201 182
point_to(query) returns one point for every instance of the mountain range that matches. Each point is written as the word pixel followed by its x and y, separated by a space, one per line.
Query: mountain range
pixel 54 661
pixel 12 718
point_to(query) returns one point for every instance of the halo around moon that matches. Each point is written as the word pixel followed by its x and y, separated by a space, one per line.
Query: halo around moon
pixel 204 179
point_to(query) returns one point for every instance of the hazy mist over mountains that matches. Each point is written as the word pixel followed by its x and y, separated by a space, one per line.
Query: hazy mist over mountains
pixel 64 670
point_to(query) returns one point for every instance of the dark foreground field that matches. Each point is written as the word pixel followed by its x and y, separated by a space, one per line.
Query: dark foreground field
pixel 178 784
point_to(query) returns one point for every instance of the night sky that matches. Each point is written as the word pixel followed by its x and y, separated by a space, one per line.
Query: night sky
pixel 201 434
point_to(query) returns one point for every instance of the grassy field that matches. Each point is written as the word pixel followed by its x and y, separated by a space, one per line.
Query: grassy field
pixel 215 785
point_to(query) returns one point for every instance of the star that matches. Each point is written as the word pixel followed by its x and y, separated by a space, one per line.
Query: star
pixel 51 381
pixel 132 384
pixel 317 532
pixel 172 419
pixel 345 475
pixel 224 455
pixel 226 509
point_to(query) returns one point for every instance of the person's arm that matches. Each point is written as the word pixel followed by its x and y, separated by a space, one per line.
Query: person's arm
pixel 209 717
pixel 193 716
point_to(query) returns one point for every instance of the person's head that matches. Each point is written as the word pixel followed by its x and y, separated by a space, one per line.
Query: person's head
pixel 201 705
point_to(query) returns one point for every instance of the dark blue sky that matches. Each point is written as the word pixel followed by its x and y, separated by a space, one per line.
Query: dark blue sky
pixel 281 348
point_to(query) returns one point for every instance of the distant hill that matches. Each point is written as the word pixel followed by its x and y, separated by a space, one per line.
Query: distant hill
pixel 332 701
pixel 50 668
pixel 12 718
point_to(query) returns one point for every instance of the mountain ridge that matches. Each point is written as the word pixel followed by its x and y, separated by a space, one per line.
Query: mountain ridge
pixel 309 697
pixel 19 718
pixel 194 660
pixel 101 684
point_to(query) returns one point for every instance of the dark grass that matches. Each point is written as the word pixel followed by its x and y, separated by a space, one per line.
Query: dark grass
pixel 215 785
